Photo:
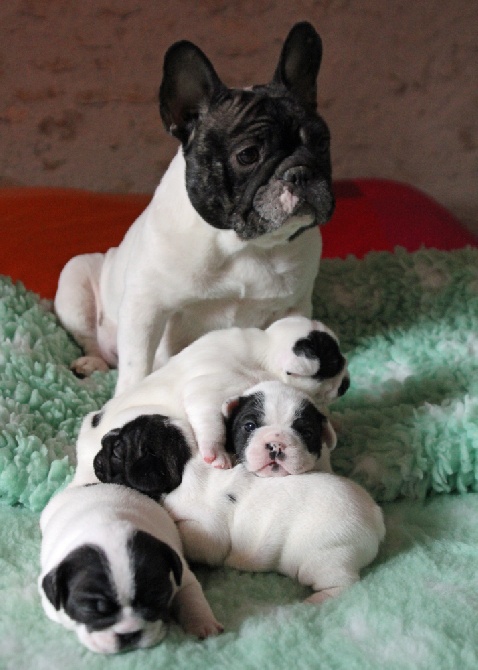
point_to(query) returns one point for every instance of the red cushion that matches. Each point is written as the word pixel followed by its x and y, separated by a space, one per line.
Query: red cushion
pixel 379 215
pixel 41 228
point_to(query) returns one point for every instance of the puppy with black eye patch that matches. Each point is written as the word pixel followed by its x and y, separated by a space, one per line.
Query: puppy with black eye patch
pixel 113 571
pixel 276 430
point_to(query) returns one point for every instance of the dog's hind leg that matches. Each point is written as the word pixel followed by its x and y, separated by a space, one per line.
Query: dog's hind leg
pixel 77 306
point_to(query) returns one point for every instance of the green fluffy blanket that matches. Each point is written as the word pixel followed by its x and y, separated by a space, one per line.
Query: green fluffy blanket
pixel 408 430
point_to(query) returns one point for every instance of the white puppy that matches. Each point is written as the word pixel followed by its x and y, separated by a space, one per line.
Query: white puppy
pixel 315 527
pixel 112 570
pixel 186 395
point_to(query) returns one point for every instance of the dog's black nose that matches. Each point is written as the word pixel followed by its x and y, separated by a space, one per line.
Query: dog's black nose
pixel 298 175
pixel 127 640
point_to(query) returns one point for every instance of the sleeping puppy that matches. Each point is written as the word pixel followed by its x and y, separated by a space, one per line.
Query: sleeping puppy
pixel 230 237
pixel 315 527
pixel 180 404
pixel 274 429
pixel 112 570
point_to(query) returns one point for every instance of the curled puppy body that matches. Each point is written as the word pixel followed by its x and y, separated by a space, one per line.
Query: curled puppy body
pixel 317 527
pixel 189 391
pixel 113 571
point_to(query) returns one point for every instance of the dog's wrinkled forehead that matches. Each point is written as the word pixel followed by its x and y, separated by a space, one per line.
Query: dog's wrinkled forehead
pixel 266 112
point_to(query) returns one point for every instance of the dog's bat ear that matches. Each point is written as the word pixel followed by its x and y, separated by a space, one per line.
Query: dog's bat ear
pixel 299 64
pixel 189 84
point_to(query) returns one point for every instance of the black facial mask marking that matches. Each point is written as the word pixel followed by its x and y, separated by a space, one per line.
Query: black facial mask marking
pixel 82 584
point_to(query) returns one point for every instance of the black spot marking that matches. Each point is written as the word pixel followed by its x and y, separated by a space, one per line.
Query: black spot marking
pixel 231 497
pixel 96 419
pixel 308 423
pixel 321 346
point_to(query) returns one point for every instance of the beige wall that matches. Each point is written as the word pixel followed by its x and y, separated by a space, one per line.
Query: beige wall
pixel 398 86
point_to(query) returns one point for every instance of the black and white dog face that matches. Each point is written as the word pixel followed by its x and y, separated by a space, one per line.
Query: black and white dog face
pixel 259 158
pixel 112 570
pixel 116 604
pixel 276 430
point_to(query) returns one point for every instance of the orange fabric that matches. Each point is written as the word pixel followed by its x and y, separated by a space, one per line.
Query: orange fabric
pixel 41 229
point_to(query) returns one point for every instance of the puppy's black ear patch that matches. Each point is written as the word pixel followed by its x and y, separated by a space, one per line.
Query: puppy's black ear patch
pixel 79 582
pixel 323 347
pixel 152 561
pixel 147 454
pixel 299 64
pixel 53 588
pixel 309 424
pixel 189 84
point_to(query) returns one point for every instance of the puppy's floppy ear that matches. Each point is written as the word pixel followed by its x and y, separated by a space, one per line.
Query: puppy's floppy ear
pixel 102 462
pixel 299 64
pixel 54 585
pixel 329 436
pixel 189 84
pixel 229 406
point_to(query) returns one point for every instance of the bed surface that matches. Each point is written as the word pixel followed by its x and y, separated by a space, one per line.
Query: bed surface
pixel 400 285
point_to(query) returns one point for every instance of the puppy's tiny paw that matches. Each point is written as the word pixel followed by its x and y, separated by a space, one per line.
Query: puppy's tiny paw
pixel 222 462
pixel 204 629
pixel 216 457
pixel 86 365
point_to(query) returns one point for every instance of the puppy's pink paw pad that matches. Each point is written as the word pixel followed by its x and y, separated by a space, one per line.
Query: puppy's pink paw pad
pixel 208 629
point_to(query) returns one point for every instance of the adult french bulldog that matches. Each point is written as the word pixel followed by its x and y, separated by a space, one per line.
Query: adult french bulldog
pixel 315 527
pixel 112 570
pixel 177 410
pixel 230 237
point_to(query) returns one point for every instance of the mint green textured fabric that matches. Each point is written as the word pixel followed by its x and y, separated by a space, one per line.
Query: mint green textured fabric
pixel 408 430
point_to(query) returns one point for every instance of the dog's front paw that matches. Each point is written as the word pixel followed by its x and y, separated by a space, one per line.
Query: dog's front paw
pixel 86 365
pixel 216 456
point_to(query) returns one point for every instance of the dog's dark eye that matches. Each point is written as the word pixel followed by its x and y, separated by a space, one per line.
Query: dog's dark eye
pixel 103 606
pixel 249 426
pixel 248 156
